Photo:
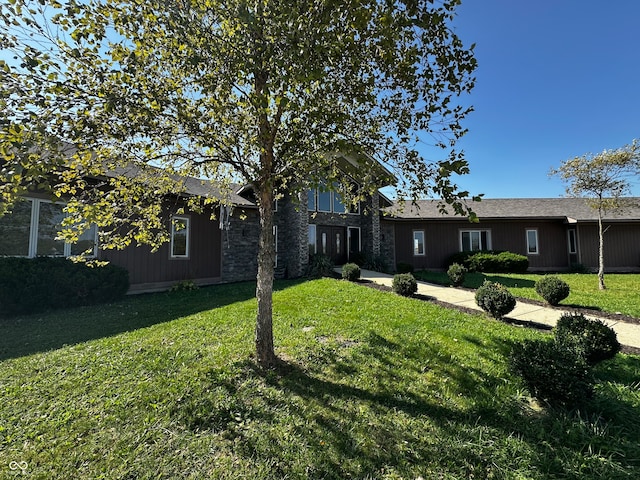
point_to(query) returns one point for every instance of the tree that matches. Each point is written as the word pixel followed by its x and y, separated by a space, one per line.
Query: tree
pixel 259 91
pixel 605 179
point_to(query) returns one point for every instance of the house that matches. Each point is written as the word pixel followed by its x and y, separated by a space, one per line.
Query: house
pixel 554 233
pixel 220 244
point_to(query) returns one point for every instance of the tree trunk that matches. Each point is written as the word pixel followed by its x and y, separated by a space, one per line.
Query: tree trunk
pixel 264 290
pixel 601 284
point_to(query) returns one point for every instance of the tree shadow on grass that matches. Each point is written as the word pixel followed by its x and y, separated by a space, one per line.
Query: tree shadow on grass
pixel 26 335
pixel 345 412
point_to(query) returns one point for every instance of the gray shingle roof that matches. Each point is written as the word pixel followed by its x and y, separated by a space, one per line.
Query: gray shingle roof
pixel 570 209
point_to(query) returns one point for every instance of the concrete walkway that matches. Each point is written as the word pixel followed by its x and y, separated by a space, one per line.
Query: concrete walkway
pixel 628 333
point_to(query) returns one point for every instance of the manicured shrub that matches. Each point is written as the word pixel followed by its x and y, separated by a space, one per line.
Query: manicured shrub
pixel 29 285
pixel 552 373
pixel 590 338
pixel 552 289
pixel 351 272
pixel 495 299
pixel 184 286
pixel 320 266
pixel 404 284
pixel 491 261
pixel 456 274
pixel 402 267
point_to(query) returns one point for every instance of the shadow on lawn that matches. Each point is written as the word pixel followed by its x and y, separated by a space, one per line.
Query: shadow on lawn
pixel 26 335
pixel 346 412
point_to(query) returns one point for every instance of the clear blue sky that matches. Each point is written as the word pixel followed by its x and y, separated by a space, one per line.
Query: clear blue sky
pixel 556 79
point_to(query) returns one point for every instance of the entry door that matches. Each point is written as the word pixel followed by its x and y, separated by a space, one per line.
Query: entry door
pixel 332 242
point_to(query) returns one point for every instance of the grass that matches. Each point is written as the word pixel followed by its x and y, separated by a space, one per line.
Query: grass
pixel 375 386
pixel 619 297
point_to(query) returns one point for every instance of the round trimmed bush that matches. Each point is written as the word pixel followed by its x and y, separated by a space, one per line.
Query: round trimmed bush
pixel 552 373
pixel 404 284
pixel 351 272
pixel 495 299
pixel 590 338
pixel 552 289
pixel 456 274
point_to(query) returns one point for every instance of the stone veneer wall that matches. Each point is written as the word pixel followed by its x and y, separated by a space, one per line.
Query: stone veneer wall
pixel 293 245
pixel 240 247
pixel 388 243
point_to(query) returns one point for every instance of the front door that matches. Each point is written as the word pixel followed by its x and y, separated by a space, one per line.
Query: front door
pixel 332 242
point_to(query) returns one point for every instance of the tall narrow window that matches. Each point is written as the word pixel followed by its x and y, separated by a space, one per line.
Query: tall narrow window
pixel 313 245
pixel 324 243
pixel 311 200
pixel 532 242
pixel 573 243
pixel 179 237
pixel 338 203
pixel 50 217
pixel 418 242
pixel 275 242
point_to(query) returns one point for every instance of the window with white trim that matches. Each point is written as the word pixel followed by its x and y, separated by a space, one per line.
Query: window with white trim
pixel 180 237
pixel 475 240
pixel 532 242
pixel 418 242
pixel 31 230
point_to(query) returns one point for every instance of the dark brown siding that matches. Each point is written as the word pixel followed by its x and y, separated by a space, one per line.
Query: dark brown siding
pixel 151 270
pixel 442 239
pixel 621 246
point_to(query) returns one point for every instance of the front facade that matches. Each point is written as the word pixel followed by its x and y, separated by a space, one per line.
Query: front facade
pixel 221 244
pixel 554 234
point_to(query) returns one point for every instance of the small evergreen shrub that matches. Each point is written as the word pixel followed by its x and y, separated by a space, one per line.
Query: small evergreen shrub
pixel 351 272
pixel 456 274
pixel 492 261
pixel 552 373
pixel 402 267
pixel 184 286
pixel 404 284
pixel 320 266
pixel 591 338
pixel 552 289
pixel 495 299
pixel 30 285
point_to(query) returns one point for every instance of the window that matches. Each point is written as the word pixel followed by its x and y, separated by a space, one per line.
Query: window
pixel 324 201
pixel 313 246
pixel 573 241
pixel 15 230
pixel 532 242
pixel 311 200
pixel 418 242
pixel 324 243
pixel 330 201
pixel 474 240
pixel 31 230
pixel 179 237
pixel 275 243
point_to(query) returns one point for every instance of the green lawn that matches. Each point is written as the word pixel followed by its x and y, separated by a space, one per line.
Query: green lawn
pixel 621 295
pixel 375 386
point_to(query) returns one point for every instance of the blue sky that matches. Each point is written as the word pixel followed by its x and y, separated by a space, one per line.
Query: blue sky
pixel 556 79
